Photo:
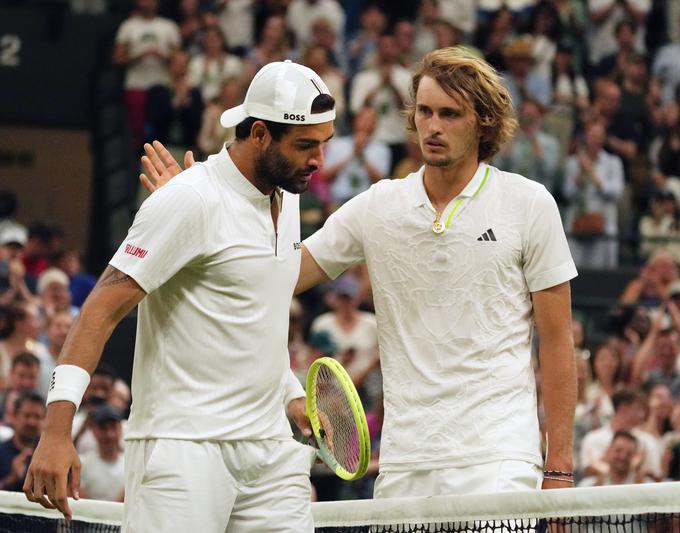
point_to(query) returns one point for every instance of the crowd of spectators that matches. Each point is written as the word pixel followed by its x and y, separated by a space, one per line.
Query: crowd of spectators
pixel 596 87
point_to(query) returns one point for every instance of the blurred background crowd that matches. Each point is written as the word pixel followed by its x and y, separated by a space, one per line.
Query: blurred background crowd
pixel 596 87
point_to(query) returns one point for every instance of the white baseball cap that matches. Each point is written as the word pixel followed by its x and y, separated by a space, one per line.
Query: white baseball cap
pixel 282 92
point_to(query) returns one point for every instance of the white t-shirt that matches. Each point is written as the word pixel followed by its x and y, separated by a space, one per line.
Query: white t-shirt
pixel 601 37
pixel 363 337
pixel 211 358
pixel 141 35
pixel 301 16
pixel 101 479
pixel 237 21
pixel 596 443
pixel 453 311
pixel 209 77
pixel 354 178
pixel 390 127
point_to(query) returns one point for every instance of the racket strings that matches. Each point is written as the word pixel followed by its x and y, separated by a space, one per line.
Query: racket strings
pixel 337 420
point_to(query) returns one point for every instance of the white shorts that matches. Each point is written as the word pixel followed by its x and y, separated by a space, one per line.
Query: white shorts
pixel 485 478
pixel 217 487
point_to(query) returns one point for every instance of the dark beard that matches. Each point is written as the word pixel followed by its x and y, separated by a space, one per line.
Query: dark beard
pixel 273 170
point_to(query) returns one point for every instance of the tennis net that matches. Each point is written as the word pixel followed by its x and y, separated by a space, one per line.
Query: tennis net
pixel 650 508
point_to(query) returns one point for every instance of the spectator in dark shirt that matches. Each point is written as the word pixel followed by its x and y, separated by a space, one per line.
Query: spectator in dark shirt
pixel 15 454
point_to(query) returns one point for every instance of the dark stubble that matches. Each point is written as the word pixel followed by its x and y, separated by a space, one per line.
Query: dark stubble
pixel 273 169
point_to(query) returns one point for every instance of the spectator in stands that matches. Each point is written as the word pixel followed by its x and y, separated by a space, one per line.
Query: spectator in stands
pixel 354 332
pixel 208 69
pixel 144 44
pixel 608 374
pixel 58 326
pixel 593 184
pixel 302 14
pixel 671 442
pixel 659 408
pixel 635 102
pixel 23 329
pixel 121 398
pixel 658 229
pixel 174 109
pixel 237 20
pixel 12 271
pixel 102 469
pixel 15 453
pixel 411 162
pixel 354 162
pixel 272 46
pixel 317 58
pixel 25 373
pixel 656 360
pixel 212 134
pixel 324 35
pixel 666 70
pixel 569 94
pixel 522 79
pixel 604 15
pixel 532 152
pixel 7 421
pixel 653 284
pixel 446 34
pixel 629 413
pixel 426 18
pixel 623 136
pixel 622 463
pixel 364 42
pixel 53 290
pixel 190 24
pixel 81 283
pixel 667 146
pixel 545 30
pixel 39 248
pixel 493 37
pixel 98 393
pixel 384 88
pixel 614 65
pixel 405 35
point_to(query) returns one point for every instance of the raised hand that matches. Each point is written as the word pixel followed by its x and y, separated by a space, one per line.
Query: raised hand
pixel 160 166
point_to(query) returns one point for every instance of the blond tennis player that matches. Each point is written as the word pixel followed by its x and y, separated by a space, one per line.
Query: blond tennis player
pixel 465 261
pixel 212 260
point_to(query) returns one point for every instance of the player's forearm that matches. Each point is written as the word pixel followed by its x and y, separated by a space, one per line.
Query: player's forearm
pixel 558 372
pixel 311 273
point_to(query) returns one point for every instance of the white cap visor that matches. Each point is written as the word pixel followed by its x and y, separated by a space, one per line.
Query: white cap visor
pixel 232 117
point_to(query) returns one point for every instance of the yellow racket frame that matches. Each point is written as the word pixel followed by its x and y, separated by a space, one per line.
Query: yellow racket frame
pixel 352 396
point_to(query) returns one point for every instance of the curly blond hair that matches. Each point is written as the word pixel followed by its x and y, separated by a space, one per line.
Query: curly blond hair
pixel 478 84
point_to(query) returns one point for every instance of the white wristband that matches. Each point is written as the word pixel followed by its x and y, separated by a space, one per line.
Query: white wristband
pixel 68 383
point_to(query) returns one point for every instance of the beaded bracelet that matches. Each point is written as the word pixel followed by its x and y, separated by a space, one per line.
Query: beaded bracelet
pixel 558 473
pixel 564 479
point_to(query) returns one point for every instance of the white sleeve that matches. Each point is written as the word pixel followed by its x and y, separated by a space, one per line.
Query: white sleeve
pixel 339 245
pixel 294 389
pixel 123 34
pixel 547 259
pixel 169 231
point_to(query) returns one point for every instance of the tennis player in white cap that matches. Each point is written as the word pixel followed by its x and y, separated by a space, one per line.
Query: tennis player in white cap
pixel 212 260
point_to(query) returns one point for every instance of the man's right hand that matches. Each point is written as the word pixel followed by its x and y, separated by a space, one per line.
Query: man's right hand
pixel 160 166
pixel 47 480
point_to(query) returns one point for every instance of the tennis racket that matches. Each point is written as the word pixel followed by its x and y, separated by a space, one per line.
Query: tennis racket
pixel 338 420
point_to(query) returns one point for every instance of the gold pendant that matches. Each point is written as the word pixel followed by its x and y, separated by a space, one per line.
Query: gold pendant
pixel 437 226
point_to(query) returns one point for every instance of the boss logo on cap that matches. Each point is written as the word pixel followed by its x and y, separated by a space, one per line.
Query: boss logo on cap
pixel 291 116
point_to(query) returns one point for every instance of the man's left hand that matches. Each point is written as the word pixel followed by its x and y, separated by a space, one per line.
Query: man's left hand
pixel 297 410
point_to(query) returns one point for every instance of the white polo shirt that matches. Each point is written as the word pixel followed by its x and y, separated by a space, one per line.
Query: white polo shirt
pixel 211 358
pixel 454 312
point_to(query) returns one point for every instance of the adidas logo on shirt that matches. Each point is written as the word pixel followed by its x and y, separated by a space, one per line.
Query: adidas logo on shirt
pixel 487 236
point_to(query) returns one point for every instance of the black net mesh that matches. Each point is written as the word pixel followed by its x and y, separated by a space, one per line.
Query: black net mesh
pixel 644 523
pixel 20 523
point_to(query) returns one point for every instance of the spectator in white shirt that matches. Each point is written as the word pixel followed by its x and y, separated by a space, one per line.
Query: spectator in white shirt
pixel 354 162
pixel 102 470
pixel 210 68
pixel 623 461
pixel 302 14
pixel 144 44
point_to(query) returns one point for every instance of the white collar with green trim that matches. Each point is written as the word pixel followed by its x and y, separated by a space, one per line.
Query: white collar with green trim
pixel 421 198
